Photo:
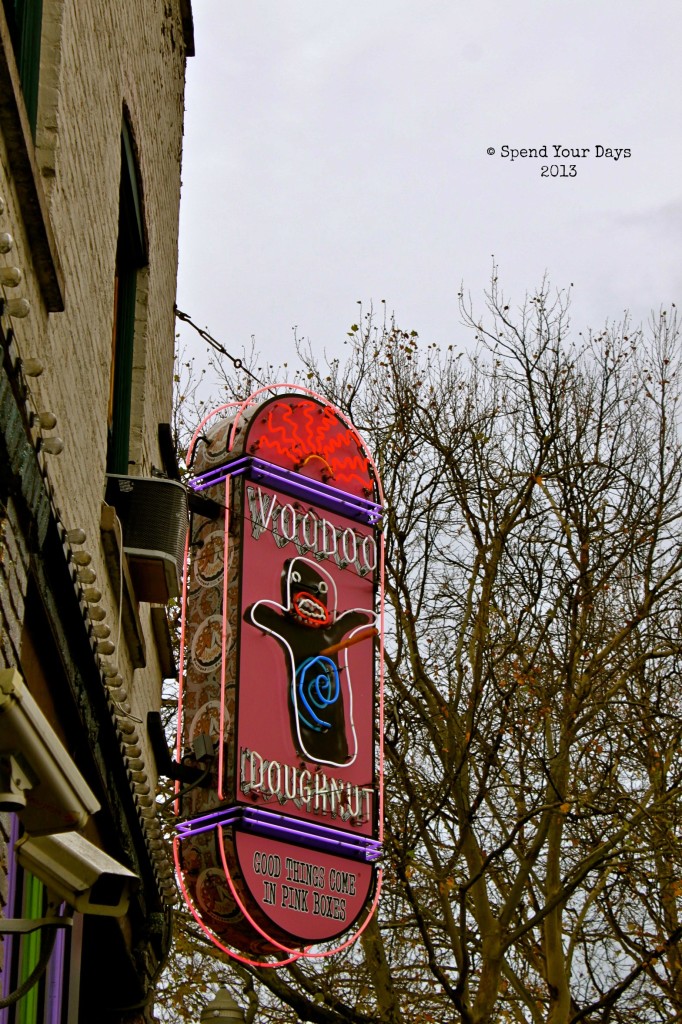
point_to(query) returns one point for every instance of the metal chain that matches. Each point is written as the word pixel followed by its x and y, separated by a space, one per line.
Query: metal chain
pixel 214 343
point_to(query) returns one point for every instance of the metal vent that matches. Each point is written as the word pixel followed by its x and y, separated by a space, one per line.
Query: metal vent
pixel 153 515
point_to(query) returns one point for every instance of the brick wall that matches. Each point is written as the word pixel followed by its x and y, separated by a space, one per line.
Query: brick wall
pixel 100 60
pixel 13 566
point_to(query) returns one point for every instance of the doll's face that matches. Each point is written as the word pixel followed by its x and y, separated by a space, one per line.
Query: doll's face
pixel 308 593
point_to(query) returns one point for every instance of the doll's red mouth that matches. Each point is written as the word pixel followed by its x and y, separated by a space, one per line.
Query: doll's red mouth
pixel 309 610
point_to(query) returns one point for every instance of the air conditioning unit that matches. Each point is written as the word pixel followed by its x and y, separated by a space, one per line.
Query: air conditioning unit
pixel 154 517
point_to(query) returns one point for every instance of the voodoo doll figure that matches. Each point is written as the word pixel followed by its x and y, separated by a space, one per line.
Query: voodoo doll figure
pixel 313 634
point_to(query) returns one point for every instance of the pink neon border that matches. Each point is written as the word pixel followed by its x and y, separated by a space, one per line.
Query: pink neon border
pixel 294 955
pixel 223 639
pixel 297 954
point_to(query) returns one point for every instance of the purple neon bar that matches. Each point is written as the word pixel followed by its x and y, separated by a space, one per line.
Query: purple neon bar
pixel 281 826
pixel 192 827
pixel 297 486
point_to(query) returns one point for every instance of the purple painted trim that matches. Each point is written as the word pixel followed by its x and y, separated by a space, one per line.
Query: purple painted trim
pixel 8 942
pixel 54 986
pixel 281 826
pixel 261 813
pixel 54 977
pixel 274 830
pixel 297 486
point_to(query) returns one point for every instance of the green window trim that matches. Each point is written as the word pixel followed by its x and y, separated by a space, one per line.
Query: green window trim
pixel 130 258
pixel 25 19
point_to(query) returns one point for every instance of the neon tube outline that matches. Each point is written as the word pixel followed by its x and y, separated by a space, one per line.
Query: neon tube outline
pixel 266 629
pixel 306 952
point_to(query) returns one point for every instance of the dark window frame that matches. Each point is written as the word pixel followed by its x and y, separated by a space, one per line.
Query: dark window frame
pixel 131 257
pixel 25 20
pixel 48 999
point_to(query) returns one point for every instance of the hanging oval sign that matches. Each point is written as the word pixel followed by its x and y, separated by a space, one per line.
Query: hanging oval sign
pixel 281 633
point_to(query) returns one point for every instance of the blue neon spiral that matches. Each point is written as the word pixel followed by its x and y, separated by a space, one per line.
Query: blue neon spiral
pixel 318 687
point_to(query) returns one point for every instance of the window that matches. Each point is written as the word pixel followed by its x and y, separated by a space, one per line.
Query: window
pixel 130 259
pixel 24 20
pixel 45 1001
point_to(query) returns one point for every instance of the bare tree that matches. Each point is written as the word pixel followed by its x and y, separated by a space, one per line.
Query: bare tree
pixel 534 588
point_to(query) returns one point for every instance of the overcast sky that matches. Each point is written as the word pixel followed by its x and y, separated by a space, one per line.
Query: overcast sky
pixel 337 150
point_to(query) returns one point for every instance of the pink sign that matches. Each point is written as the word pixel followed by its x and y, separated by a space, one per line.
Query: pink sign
pixel 313 895
pixel 282 624
pixel 305 712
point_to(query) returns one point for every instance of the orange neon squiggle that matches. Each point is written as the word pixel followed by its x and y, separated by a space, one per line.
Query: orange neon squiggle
pixel 309 458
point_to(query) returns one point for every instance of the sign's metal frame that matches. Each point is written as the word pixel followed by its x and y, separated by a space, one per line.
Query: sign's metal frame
pixel 233 815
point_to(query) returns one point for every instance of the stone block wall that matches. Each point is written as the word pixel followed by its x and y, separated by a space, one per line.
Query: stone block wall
pixel 101 61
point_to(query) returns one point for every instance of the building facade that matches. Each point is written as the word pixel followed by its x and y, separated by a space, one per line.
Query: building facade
pixel 91 115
